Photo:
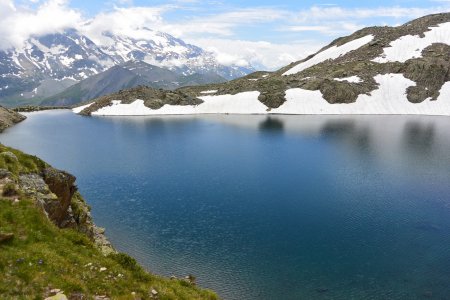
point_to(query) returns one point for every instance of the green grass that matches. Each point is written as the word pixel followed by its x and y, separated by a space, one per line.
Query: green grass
pixel 24 164
pixel 42 256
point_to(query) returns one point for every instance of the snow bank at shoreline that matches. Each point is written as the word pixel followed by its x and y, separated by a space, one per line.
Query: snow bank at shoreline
pixel 390 98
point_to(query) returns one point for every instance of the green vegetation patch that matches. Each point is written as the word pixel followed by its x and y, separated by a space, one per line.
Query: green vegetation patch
pixel 18 162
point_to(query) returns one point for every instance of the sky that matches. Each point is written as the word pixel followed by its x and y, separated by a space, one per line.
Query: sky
pixel 266 34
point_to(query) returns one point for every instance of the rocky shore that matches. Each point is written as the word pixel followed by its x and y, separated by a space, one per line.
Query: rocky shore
pixel 32 108
pixel 9 117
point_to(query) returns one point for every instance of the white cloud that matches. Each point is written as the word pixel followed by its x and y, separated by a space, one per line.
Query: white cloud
pixel 224 24
pixel 264 55
pixel 124 21
pixel 18 24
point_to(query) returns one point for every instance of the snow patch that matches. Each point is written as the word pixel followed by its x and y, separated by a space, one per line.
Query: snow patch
pixel 330 53
pixel 411 46
pixel 78 109
pixel 242 103
pixel 390 98
pixel 351 79
pixel 209 92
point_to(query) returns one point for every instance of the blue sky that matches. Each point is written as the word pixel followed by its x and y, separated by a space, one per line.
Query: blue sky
pixel 265 33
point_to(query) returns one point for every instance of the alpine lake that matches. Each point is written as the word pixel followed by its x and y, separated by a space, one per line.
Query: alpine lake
pixel 265 207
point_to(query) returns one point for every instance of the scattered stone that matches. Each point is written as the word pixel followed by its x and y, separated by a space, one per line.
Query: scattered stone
pixel 191 279
pixel 55 291
pixel 100 230
pixel 173 277
pixel 20 260
pixel 88 265
pixel 154 292
pixel 5 174
pixel 4 237
pixel 77 296
pixel 58 296
pixel 102 269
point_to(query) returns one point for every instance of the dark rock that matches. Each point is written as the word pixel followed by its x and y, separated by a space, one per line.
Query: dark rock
pixel 5 174
pixel 8 118
pixel 62 185
pixel 5 237
pixel 77 296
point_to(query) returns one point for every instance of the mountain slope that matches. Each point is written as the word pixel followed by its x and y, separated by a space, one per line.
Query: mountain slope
pixel 127 75
pixel 376 70
pixel 47 65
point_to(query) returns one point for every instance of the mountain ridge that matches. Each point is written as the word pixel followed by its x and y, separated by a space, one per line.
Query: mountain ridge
pixel 47 65
pixel 376 70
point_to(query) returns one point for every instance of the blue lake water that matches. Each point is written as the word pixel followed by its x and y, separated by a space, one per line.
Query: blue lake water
pixel 257 207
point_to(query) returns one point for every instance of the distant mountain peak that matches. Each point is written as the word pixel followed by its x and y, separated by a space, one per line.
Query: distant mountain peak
pixel 45 65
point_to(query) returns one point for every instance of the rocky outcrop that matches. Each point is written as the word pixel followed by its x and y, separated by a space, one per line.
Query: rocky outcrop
pixel 55 192
pixel 153 98
pixel 62 185
pixel 8 118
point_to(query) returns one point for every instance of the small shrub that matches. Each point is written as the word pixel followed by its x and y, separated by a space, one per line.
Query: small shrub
pixel 9 190
pixel 125 261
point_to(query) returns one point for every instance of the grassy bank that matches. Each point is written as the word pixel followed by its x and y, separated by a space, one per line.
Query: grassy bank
pixel 36 256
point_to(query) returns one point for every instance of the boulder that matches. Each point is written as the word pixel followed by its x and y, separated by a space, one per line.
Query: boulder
pixel 4 237
pixel 9 156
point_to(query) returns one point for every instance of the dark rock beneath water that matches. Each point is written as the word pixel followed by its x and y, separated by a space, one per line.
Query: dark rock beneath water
pixel 322 290
pixel 427 226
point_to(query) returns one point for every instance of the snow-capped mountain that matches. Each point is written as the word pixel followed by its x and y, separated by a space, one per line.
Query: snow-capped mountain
pixel 376 70
pixel 163 50
pixel 47 65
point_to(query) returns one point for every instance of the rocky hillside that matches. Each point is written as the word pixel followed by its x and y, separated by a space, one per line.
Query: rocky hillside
pixel 50 248
pixel 376 70
pixel 8 118
pixel 47 65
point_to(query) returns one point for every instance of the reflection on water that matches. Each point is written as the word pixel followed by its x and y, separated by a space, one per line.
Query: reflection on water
pixel 271 124
pixel 423 139
pixel 266 207
pixel 419 137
